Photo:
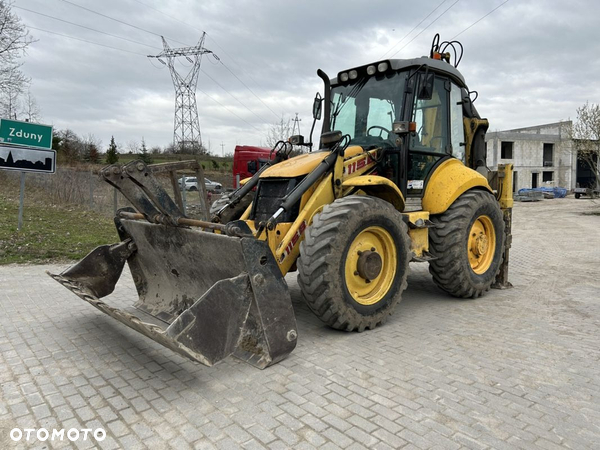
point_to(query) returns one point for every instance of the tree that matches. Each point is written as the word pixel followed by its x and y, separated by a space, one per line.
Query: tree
pixel 31 110
pixel 112 154
pixel 585 133
pixel 144 155
pixel 133 147
pixel 12 84
pixel 68 146
pixel 14 40
pixel 90 145
pixel 279 131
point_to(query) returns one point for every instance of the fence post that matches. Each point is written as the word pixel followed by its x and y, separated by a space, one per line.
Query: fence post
pixel 91 189
pixel 204 207
pixel 21 200
pixel 115 200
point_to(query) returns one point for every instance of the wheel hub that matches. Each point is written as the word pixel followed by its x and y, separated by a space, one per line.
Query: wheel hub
pixel 369 264
pixel 481 245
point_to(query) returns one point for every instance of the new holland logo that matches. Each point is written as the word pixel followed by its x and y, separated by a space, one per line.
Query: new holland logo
pixel 293 242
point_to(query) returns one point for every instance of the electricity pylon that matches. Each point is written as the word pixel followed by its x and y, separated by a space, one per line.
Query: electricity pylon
pixel 186 133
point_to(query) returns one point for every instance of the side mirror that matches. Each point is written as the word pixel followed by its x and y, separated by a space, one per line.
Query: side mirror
pixel 297 139
pixel 426 86
pixel 317 107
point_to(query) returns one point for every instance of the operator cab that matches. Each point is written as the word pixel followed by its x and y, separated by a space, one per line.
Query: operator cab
pixel 425 98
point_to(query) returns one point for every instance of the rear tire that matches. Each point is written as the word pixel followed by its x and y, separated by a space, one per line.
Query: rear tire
pixel 577 195
pixel 354 262
pixel 468 241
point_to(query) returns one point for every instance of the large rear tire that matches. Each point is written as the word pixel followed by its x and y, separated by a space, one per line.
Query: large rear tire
pixel 468 242
pixel 354 262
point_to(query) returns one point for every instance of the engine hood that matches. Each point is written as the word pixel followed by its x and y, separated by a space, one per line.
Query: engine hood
pixel 295 167
pixel 304 164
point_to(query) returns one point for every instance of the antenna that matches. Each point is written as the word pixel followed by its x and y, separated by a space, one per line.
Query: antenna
pixel 186 133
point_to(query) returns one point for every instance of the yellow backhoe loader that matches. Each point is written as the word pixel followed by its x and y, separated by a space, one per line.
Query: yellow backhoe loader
pixel 399 176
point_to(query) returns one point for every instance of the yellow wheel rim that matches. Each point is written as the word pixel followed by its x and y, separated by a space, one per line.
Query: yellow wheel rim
pixel 482 244
pixel 370 265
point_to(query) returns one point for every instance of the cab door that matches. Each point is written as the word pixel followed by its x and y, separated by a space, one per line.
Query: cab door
pixel 437 111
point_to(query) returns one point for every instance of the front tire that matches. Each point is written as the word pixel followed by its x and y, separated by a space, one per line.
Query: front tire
pixel 468 242
pixel 354 262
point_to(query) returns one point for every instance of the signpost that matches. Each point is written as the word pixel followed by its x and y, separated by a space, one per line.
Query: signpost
pixel 25 133
pixel 28 149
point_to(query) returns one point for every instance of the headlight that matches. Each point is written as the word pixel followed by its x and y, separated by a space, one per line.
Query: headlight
pixel 343 77
pixel 382 67
pixel 371 70
pixel 353 74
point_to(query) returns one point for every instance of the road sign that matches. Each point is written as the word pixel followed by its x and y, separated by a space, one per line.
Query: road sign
pixel 27 159
pixel 25 133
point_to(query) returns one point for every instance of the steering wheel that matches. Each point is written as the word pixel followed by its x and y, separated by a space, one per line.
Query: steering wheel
pixel 381 130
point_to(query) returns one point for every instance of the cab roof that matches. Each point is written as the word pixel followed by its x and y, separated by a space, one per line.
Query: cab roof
pixel 436 65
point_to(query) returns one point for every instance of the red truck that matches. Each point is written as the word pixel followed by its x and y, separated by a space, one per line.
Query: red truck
pixel 247 160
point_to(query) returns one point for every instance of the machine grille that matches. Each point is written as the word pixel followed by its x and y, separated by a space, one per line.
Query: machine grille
pixel 268 199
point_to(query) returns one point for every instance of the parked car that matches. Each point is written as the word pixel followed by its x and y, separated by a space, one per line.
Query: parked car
pixel 191 184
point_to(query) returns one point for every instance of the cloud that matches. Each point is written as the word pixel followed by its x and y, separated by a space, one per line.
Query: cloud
pixel 531 62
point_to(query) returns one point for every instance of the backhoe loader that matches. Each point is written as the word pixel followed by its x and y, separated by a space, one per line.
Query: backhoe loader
pixel 398 175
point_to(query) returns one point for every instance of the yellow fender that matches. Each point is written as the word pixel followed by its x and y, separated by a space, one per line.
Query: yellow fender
pixel 449 181
pixel 377 186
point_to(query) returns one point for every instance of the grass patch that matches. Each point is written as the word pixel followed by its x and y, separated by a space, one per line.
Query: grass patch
pixel 50 233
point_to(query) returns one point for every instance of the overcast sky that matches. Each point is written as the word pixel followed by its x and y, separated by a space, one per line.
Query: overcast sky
pixel 532 61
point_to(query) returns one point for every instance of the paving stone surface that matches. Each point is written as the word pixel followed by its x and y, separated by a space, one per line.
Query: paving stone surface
pixel 515 369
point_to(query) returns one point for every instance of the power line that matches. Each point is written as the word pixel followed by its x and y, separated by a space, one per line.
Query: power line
pixel 423 30
pixel 225 107
pixel 169 16
pixel 84 40
pixel 83 26
pixel 231 58
pixel 234 97
pixel 247 87
pixel 480 19
pixel 414 28
pixel 120 21
pixel 198 29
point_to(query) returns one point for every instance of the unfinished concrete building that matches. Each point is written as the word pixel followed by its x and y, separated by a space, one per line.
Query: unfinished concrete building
pixel 542 155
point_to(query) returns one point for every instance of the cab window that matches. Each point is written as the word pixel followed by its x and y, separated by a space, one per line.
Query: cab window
pixel 431 116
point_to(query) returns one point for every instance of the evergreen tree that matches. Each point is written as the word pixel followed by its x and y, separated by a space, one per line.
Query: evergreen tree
pixel 112 154
pixel 145 156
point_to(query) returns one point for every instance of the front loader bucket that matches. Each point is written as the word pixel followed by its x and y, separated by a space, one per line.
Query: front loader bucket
pixel 203 295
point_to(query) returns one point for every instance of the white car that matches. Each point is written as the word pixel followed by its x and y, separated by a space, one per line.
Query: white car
pixel 191 184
